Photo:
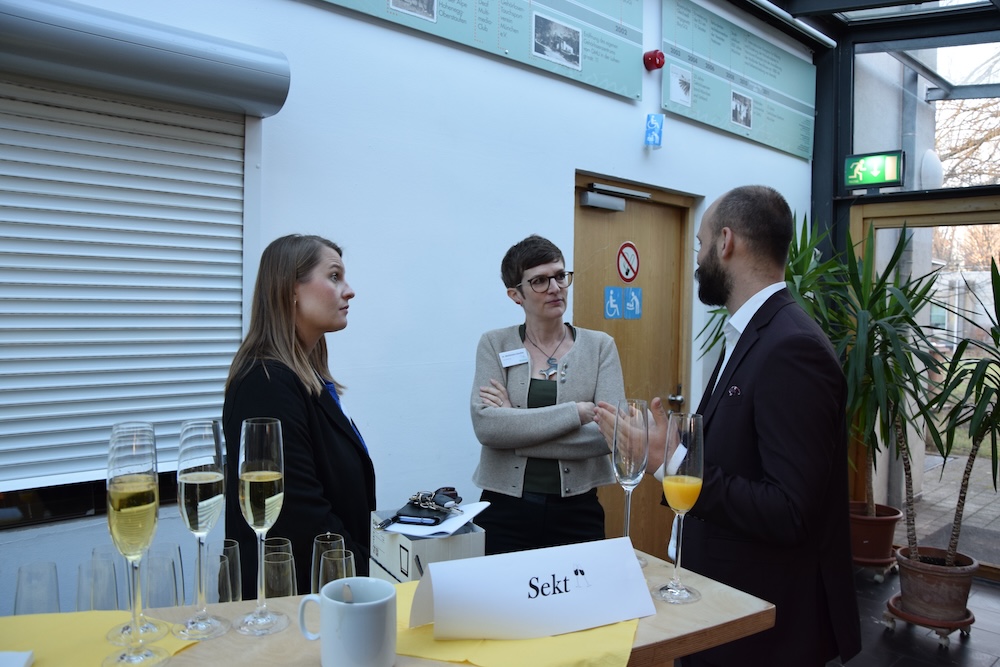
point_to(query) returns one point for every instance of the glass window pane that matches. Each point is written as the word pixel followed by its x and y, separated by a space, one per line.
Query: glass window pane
pixel 938 105
pixel 961 255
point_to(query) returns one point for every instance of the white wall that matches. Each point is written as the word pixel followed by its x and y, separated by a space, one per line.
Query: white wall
pixel 426 161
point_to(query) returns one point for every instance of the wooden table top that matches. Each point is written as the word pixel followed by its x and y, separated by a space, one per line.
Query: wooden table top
pixel 722 615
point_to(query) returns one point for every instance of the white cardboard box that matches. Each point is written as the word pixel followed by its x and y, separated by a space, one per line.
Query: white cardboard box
pixel 404 558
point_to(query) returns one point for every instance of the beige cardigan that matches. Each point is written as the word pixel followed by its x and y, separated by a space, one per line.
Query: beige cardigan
pixel 590 371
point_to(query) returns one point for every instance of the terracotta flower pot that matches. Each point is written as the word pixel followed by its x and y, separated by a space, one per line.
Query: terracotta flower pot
pixel 930 589
pixel 871 536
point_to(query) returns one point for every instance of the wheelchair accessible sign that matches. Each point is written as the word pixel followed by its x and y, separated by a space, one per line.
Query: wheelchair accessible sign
pixel 624 302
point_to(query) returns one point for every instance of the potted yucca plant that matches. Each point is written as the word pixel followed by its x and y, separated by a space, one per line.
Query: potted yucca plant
pixel 885 355
pixel 935 583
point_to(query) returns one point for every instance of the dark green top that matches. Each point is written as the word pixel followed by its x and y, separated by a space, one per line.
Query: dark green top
pixel 542 475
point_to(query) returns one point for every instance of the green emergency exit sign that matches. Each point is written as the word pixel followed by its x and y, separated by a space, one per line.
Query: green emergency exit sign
pixel 873 170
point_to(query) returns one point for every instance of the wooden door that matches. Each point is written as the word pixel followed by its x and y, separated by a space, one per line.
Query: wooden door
pixel 655 347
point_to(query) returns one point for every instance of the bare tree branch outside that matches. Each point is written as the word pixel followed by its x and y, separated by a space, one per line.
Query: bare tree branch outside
pixel 968 132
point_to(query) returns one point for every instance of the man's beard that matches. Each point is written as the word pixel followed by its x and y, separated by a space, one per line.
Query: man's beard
pixel 714 285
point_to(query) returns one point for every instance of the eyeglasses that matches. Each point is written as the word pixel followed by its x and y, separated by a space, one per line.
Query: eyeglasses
pixel 540 284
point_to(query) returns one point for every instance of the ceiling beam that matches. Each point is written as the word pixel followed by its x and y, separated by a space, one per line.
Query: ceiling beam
pixel 799 26
pixel 968 24
pixel 825 7
pixel 976 92
pixel 923 70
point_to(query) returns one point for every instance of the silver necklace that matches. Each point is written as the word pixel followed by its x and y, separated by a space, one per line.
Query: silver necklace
pixel 553 363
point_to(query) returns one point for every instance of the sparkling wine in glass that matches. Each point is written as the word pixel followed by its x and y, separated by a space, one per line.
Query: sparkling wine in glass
pixel 630 451
pixel 133 500
pixel 682 489
pixel 201 497
pixel 262 490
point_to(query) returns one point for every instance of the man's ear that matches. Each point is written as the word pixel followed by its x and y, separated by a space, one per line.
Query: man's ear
pixel 726 241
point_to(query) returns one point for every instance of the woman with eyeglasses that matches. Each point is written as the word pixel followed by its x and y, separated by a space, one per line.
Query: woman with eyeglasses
pixel 533 401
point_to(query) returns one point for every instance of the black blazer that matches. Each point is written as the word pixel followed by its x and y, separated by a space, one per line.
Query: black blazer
pixel 329 478
pixel 772 518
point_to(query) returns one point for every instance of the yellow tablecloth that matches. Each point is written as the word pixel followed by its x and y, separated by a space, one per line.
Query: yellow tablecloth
pixel 606 646
pixel 71 638
pixel 78 638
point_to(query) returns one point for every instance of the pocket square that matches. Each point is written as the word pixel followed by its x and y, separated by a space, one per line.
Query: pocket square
pixel 734 391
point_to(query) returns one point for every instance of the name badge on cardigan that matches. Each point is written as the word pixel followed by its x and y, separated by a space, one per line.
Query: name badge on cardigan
pixel 534 593
pixel 514 357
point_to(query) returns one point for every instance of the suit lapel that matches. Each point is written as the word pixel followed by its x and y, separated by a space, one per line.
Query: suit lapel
pixel 748 339
pixel 703 405
pixel 746 342
pixel 337 416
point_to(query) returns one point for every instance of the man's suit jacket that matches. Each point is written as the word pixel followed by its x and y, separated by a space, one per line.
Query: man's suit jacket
pixel 329 477
pixel 772 518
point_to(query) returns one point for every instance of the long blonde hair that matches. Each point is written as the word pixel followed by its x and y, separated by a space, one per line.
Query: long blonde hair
pixel 271 336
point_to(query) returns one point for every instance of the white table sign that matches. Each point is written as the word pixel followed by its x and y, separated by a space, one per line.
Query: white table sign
pixel 534 593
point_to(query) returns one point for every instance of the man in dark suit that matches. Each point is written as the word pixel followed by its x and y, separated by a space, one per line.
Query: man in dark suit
pixel 772 517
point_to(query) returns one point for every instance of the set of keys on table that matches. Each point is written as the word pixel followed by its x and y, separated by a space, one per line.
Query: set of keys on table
pixel 445 499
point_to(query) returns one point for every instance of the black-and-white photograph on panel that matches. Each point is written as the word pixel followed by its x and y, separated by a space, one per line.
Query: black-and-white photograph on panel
pixel 556 41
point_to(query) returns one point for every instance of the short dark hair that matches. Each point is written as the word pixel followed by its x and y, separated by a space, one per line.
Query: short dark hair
pixel 527 254
pixel 761 216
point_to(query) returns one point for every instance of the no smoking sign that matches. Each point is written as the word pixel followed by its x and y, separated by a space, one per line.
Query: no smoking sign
pixel 628 262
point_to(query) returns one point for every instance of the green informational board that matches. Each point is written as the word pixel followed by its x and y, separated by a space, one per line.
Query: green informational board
pixel 724 76
pixel 596 42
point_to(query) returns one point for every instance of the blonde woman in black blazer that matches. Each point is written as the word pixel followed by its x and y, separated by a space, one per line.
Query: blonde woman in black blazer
pixel 281 371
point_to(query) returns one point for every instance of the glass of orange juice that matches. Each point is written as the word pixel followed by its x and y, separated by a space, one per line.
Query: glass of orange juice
pixel 682 488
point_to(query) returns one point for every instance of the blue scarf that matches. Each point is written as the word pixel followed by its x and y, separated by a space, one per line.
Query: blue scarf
pixel 336 399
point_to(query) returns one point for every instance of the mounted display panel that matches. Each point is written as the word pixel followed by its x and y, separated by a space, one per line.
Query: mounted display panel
pixel 724 76
pixel 596 42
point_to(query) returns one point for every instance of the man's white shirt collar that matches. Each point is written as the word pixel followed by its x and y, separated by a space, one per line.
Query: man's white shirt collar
pixel 733 329
pixel 741 318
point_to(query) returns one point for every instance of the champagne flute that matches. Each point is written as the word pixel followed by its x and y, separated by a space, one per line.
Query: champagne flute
pixel 37 589
pixel 277 545
pixel 218 581
pixel 133 501
pixel 96 585
pixel 630 451
pixel 321 544
pixel 335 564
pixel 201 497
pixel 231 552
pixel 161 579
pixel 682 489
pixel 280 545
pixel 218 571
pixel 262 490
pixel 108 552
pixel 279 574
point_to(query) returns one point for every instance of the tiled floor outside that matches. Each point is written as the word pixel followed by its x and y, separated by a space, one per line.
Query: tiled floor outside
pixel 935 508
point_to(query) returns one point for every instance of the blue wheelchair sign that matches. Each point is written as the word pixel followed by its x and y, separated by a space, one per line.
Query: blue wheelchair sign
pixel 613 305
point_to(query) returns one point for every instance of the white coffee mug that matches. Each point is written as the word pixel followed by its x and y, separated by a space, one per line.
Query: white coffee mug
pixel 359 633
